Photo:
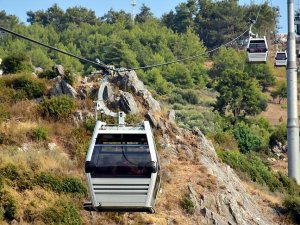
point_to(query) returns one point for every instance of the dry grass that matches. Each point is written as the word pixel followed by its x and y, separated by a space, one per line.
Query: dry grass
pixel 24 110
pixel 275 113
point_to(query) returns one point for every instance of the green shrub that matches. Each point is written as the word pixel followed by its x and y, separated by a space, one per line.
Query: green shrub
pixel 48 74
pixel 289 184
pixel 245 137
pixel 187 204
pixel 184 96
pixel 62 212
pixel 39 134
pixel 48 181
pixel 292 205
pixel 20 177
pixel 278 135
pixel 7 206
pixel 10 172
pixel 176 98
pixel 16 63
pixel 69 185
pixel 32 87
pixel 69 77
pixel 133 118
pixel 253 167
pixel 73 185
pixel 8 95
pixel 223 140
pixel 89 124
pixel 57 107
pixel 4 115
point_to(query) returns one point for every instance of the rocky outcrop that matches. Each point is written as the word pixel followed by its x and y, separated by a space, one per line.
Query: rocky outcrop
pixel 127 103
pixel 229 202
pixel 128 80
pixel 59 70
pixel 61 87
pixel 171 115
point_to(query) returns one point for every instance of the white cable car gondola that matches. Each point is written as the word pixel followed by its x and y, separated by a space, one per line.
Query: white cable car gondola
pixel 257 50
pixel 122 166
pixel 280 58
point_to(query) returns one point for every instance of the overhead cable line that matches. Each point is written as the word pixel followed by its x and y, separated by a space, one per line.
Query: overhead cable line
pixel 101 65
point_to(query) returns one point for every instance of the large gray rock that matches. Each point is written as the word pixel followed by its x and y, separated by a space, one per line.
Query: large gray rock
pixel 127 103
pixel 128 80
pixel 59 70
pixel 171 115
pixel 151 120
pixel 61 87
pixel 108 94
pixel 151 104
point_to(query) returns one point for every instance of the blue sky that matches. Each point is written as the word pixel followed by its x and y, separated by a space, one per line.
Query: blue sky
pixel 158 7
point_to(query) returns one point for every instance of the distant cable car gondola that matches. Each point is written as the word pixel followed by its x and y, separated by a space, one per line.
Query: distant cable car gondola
pixel 297 22
pixel 280 58
pixel 122 166
pixel 257 50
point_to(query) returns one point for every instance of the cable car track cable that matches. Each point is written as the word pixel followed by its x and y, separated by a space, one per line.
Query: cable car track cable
pixel 101 65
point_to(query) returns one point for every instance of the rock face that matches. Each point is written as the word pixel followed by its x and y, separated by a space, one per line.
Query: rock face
pixel 127 103
pixel 229 202
pixel 59 69
pixel 61 87
pixel 129 81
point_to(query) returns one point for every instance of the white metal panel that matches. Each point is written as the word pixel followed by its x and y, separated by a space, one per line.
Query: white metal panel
pixel 120 181
pixel 257 57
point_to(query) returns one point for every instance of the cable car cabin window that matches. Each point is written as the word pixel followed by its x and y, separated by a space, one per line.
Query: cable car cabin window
pixel 257 46
pixel 140 139
pixel 121 161
pixel 280 56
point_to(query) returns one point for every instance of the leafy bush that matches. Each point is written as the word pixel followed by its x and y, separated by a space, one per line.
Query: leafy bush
pixel 278 135
pixel 19 176
pixel 253 167
pixel 16 63
pixel 176 98
pixel 187 204
pixel 10 172
pixel 39 134
pixel 20 87
pixel 289 184
pixel 292 205
pixel 62 212
pixel 48 74
pixel 69 77
pixel 89 124
pixel 48 181
pixel 7 206
pixel 223 140
pixel 70 185
pixel 245 137
pixel 73 185
pixel 184 96
pixel 32 87
pixel 57 107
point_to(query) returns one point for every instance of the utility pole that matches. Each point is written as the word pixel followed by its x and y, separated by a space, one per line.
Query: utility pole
pixel 292 120
pixel 133 5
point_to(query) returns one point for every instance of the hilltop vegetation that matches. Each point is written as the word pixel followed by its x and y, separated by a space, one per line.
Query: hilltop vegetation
pixel 42 184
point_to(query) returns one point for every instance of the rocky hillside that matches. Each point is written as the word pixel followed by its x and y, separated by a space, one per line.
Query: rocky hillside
pixel 42 178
